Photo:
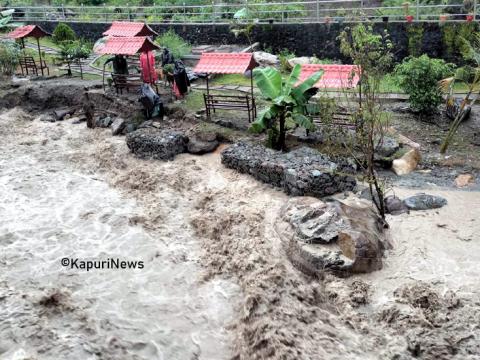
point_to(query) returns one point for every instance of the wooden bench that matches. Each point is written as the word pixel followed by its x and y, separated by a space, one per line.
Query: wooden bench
pixel 28 64
pixel 230 102
pixel 121 81
pixel 342 118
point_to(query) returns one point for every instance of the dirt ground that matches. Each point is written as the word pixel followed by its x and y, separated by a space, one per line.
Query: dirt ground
pixel 218 284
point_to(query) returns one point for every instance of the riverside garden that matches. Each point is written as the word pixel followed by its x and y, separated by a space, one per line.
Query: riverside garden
pixel 169 196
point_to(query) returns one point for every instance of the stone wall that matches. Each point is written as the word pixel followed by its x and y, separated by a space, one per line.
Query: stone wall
pixel 309 39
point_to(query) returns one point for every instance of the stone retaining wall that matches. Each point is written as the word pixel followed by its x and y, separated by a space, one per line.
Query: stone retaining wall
pixel 302 171
pixel 310 39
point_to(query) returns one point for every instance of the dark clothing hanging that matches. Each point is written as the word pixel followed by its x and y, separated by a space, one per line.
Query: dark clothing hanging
pixel 120 65
pixel 167 58
pixel 180 77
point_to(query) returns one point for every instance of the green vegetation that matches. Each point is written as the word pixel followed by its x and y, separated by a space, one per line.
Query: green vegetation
pixel 372 53
pixel 287 103
pixel 63 32
pixel 9 54
pixel 415 39
pixel 469 76
pixel 418 77
pixel 173 42
pixel 74 51
pixel 284 56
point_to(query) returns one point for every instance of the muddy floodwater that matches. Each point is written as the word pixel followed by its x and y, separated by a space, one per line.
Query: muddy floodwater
pixel 214 282
pixel 50 210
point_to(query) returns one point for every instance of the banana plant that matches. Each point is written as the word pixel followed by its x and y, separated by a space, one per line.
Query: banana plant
pixel 469 76
pixel 6 16
pixel 288 101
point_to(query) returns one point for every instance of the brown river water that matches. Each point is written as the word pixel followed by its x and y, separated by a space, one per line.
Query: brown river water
pixel 215 283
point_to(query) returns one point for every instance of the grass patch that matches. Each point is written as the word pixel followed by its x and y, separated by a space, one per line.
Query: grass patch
pixel 194 101
pixel 232 79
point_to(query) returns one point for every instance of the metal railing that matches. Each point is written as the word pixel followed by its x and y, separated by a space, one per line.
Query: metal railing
pixel 314 11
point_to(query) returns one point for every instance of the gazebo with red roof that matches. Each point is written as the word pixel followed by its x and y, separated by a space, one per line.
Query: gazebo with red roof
pixel 35 31
pixel 128 29
pixel 128 46
pixel 227 63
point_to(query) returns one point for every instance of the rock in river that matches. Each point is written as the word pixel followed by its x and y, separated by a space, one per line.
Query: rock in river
pixel 338 237
pixel 202 144
pixel 407 163
pixel 117 126
pixel 157 144
pixel 423 201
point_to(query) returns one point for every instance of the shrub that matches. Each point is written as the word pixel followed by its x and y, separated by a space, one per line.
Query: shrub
pixel 63 32
pixel 173 42
pixel 284 56
pixel 9 53
pixel 419 77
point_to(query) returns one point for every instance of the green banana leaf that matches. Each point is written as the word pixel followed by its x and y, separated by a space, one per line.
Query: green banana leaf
pixel 262 119
pixel 298 92
pixel 6 13
pixel 292 79
pixel 269 81
pixel 241 14
pixel 303 121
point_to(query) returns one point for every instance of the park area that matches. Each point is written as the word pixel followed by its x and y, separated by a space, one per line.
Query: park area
pixel 284 181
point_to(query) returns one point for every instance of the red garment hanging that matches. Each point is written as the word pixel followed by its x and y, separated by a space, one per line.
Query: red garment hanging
pixel 147 64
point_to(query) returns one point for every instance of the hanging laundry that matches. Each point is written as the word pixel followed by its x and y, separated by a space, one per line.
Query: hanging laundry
pixel 147 64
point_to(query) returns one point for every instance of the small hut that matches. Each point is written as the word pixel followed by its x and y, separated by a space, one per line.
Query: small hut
pixel 128 46
pixel 27 62
pixel 129 29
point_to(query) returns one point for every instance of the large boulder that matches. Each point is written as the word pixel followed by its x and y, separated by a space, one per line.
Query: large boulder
pixel 303 60
pixel 202 143
pixel 336 237
pixel 265 59
pixel 117 126
pixel 157 144
pixel 407 163
pixel 303 171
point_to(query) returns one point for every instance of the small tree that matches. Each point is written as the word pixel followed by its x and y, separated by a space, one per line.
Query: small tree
pixel 419 77
pixel 372 54
pixel 63 32
pixel 71 51
pixel 287 102
pixel 469 76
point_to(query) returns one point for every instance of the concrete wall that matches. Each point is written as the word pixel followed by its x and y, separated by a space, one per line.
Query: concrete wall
pixel 310 39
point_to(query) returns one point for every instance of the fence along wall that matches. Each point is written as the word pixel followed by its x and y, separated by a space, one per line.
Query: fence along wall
pixel 207 11
pixel 309 39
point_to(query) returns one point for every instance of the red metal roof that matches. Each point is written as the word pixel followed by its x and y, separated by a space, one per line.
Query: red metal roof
pixel 125 28
pixel 334 76
pixel 127 45
pixel 28 31
pixel 225 63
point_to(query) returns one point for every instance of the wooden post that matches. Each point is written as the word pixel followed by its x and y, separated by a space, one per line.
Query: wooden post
pixel 40 54
pixel 418 10
pixel 474 10
pixel 208 89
